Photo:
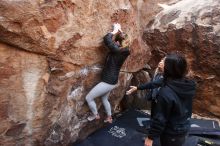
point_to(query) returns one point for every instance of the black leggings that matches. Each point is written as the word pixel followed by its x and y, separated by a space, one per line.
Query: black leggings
pixel 170 140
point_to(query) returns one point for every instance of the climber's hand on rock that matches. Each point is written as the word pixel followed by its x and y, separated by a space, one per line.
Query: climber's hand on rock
pixel 116 28
pixel 119 27
pixel 131 90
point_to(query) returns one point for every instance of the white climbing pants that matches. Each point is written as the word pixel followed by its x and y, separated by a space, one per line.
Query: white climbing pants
pixel 102 90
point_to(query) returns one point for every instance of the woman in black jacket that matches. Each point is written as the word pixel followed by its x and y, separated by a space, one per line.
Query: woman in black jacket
pixel 172 109
pixel 118 52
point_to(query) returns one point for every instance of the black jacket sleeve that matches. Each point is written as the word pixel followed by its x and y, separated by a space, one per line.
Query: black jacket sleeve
pixel 110 44
pixel 162 109
pixel 151 85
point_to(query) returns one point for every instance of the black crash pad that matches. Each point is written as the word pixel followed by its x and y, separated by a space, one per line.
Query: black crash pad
pixel 204 127
pixel 123 131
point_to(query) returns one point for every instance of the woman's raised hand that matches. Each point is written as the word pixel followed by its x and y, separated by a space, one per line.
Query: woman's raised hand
pixel 116 28
pixel 131 90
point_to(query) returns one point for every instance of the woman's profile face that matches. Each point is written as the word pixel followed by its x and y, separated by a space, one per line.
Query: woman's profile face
pixel 161 65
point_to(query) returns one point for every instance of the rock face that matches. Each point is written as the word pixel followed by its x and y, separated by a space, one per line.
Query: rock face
pixel 193 28
pixel 51 55
pixel 21 86
pixel 137 100
pixel 52 52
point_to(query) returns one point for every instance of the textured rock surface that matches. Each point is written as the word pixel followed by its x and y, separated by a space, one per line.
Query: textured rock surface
pixel 56 59
pixel 191 27
pixel 137 99
pixel 51 55
pixel 22 95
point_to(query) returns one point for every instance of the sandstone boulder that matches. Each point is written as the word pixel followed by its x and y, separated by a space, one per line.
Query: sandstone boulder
pixel 193 28
pixel 51 55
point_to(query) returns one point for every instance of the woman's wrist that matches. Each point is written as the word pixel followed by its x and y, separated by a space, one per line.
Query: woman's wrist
pixel 113 32
pixel 135 88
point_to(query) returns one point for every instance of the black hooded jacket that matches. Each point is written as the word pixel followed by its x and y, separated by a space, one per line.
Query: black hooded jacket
pixel 172 109
pixel 114 60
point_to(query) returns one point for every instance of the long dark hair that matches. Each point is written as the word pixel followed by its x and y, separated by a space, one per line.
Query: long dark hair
pixel 175 66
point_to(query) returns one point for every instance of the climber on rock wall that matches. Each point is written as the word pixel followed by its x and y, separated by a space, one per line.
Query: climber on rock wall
pixel 118 44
